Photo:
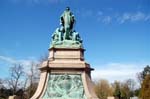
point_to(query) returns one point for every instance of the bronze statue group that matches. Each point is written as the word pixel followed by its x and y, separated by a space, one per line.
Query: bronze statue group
pixel 66 32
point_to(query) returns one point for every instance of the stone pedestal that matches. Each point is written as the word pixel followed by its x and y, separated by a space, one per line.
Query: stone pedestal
pixel 65 75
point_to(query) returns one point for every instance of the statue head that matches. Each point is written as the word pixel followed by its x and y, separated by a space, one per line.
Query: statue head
pixel 67 8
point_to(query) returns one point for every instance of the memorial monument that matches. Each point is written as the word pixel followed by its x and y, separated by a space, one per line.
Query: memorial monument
pixel 65 75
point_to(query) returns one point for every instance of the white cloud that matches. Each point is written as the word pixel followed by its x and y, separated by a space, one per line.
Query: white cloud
pixel 100 13
pixel 103 18
pixel 25 62
pixel 123 18
pixel 117 71
pixel 13 61
pixel 138 16
pixel 106 19
pixel 7 59
pixel 133 17
pixel 85 13
pixel 38 1
pixel 56 1
pixel 110 71
pixel 147 17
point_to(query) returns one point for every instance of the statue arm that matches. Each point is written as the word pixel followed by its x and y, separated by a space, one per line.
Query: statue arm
pixel 62 20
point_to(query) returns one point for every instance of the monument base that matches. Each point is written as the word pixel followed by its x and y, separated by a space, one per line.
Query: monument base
pixel 65 75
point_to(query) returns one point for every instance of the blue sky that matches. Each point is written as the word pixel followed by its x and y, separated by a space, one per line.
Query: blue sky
pixel 115 33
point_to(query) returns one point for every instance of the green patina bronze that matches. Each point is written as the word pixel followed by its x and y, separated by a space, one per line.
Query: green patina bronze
pixel 64 86
pixel 65 36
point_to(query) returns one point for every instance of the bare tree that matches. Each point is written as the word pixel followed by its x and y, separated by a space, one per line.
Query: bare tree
pixel 139 78
pixel 16 77
pixel 103 89
pixel 1 88
pixel 43 57
pixel 33 77
pixel 127 88
pixel 1 83
pixel 131 84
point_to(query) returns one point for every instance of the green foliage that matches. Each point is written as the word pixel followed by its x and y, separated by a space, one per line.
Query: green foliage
pixel 137 92
pixel 141 77
pixel 145 71
pixel 117 91
pixel 128 88
pixel 4 93
pixel 124 90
